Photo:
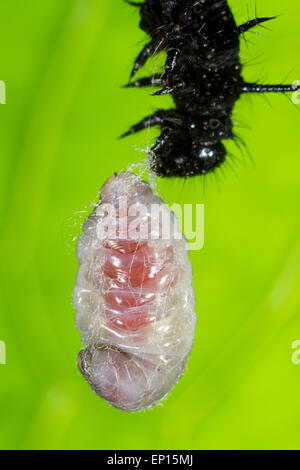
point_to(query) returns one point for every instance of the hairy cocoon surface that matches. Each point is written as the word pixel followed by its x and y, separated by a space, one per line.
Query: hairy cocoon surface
pixel 134 300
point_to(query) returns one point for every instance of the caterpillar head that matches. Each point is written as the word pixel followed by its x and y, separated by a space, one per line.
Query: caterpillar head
pixel 207 158
pixel 197 160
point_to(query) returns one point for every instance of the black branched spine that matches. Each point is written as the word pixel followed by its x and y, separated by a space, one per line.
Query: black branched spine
pixel 202 73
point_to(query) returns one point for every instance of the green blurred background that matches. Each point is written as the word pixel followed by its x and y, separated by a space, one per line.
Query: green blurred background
pixel 63 62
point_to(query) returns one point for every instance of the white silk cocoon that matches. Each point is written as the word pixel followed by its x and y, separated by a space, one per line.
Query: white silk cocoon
pixel 133 297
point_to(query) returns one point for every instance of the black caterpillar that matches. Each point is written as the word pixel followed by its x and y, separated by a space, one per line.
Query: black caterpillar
pixel 202 73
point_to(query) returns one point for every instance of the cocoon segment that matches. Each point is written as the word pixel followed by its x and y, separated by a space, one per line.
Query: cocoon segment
pixel 133 297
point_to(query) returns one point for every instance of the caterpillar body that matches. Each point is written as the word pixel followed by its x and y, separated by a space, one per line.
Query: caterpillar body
pixel 202 72
pixel 133 297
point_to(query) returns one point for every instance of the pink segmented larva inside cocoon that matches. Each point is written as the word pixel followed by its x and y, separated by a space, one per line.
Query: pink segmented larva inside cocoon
pixel 134 300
